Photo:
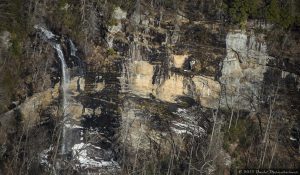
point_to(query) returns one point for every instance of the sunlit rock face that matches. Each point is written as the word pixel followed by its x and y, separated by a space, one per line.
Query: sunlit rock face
pixel 171 88
pixel 74 110
pixel 99 86
pixel 204 90
pixel 31 107
pixel 29 111
pixel 140 82
pixel 179 60
pixel 76 85
pixel 207 91
pixel 243 69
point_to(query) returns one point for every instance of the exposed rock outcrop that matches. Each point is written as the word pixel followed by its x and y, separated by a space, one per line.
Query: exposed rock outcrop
pixel 179 60
pixel 243 69
pixel 207 91
pixel 29 110
pixel 204 90
pixel 140 80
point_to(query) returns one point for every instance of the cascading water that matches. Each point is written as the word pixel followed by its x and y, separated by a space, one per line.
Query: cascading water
pixel 73 51
pixel 65 79
pixel 73 48
pixel 86 154
pixel 65 76
pixel 65 84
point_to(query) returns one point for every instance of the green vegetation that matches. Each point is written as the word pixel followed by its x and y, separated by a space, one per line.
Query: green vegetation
pixel 242 134
pixel 11 15
pixel 66 16
pixel 111 52
pixel 112 22
pixel 124 4
pixel 7 87
pixel 16 47
pixel 273 11
pixel 13 21
pixel 240 10
pixel 172 4
pixel 239 138
pixel 235 134
pixel 281 13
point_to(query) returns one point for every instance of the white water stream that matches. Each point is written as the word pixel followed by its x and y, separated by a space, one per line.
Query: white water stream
pixel 50 37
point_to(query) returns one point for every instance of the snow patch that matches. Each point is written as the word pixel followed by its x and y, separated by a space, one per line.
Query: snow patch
pixel 180 110
pixel 187 128
pixel 44 156
pixel 187 123
pixel 293 139
pixel 72 126
pixel 85 161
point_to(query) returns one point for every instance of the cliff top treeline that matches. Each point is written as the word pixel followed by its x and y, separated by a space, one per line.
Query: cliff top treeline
pixel 284 13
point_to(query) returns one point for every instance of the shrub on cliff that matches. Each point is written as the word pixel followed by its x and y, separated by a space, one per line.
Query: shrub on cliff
pixel 281 13
pixel 240 10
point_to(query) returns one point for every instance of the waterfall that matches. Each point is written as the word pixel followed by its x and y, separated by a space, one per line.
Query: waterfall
pixel 65 79
pixel 73 146
pixel 64 84
pixel 49 35
pixel 79 62
pixel 65 75
pixel 73 48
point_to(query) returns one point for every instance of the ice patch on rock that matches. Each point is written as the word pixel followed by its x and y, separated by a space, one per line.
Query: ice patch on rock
pixel 80 152
pixel 44 156
pixel 188 123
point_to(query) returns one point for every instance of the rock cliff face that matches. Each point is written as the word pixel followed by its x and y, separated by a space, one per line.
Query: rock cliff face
pixel 243 68
pixel 154 88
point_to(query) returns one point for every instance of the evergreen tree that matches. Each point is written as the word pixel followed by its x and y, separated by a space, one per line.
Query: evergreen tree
pixel 273 12
pixel 241 10
pixel 282 13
